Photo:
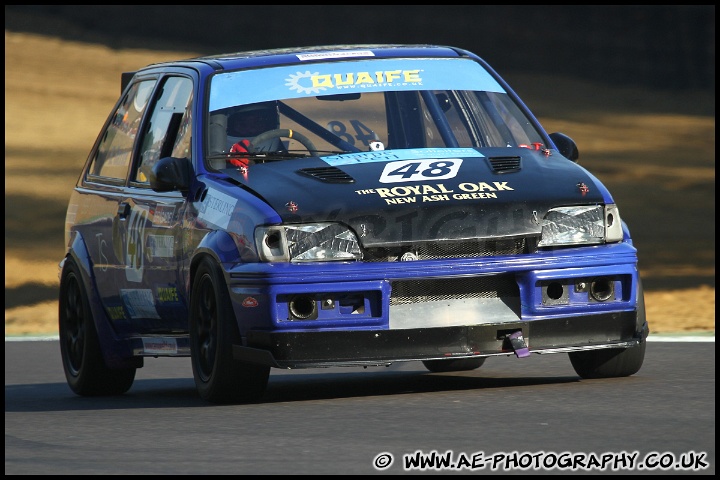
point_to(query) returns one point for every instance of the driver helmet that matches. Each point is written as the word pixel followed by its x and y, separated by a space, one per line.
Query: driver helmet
pixel 251 120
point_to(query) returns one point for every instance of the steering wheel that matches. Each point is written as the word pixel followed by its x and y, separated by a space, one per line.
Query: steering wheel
pixel 286 133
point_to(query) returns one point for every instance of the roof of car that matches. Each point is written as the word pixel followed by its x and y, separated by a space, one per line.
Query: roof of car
pixel 292 56
pixel 230 61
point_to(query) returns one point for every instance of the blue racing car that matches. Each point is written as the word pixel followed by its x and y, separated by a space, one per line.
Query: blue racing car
pixel 344 205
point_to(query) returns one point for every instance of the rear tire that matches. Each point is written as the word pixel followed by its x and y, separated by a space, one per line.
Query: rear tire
pixel 614 362
pixel 219 378
pixel 454 365
pixel 85 369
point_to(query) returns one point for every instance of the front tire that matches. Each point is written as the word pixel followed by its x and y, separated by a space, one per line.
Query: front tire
pixel 85 369
pixel 615 362
pixel 219 378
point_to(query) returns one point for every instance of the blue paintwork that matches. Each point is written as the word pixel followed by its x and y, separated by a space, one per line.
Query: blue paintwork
pixel 543 182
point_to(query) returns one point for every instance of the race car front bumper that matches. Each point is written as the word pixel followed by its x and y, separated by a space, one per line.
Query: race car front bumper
pixel 306 349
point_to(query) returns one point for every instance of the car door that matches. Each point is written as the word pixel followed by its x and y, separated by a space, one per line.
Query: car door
pixel 96 202
pixel 147 229
pixel 132 231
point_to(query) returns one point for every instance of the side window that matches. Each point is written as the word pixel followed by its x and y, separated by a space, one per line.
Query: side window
pixel 112 158
pixel 183 144
pixel 168 131
pixel 520 128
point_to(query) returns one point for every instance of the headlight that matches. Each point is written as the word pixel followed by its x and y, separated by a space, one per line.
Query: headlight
pixel 316 242
pixel 581 225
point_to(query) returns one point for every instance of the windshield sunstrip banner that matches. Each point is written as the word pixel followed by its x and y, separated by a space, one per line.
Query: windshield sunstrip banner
pixel 376 75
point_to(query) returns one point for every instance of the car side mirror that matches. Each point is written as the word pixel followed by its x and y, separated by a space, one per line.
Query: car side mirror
pixel 565 145
pixel 170 174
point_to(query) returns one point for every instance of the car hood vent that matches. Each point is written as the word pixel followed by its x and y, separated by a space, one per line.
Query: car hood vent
pixel 504 164
pixel 327 174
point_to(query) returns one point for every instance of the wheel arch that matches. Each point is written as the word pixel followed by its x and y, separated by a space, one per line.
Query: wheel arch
pixel 220 246
pixel 116 352
pixel 641 325
pixel 79 253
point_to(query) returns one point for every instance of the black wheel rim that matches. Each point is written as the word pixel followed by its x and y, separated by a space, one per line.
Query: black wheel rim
pixel 206 328
pixel 74 325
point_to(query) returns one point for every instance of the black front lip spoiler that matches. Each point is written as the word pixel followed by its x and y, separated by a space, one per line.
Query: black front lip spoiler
pixel 382 347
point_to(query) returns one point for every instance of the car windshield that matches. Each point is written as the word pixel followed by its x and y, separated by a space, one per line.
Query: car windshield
pixel 363 105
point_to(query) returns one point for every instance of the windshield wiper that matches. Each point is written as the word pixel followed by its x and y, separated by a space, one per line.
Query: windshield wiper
pixel 260 157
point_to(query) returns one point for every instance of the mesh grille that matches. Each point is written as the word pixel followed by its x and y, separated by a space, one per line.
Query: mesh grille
pixel 327 174
pixel 439 251
pixel 414 291
pixel 505 164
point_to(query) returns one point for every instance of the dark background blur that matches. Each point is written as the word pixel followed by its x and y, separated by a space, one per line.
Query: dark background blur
pixel 658 46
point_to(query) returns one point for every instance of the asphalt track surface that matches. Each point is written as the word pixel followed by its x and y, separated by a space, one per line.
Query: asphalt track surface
pixel 515 413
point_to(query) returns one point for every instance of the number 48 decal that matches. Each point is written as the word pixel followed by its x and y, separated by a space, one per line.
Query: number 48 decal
pixel 416 170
